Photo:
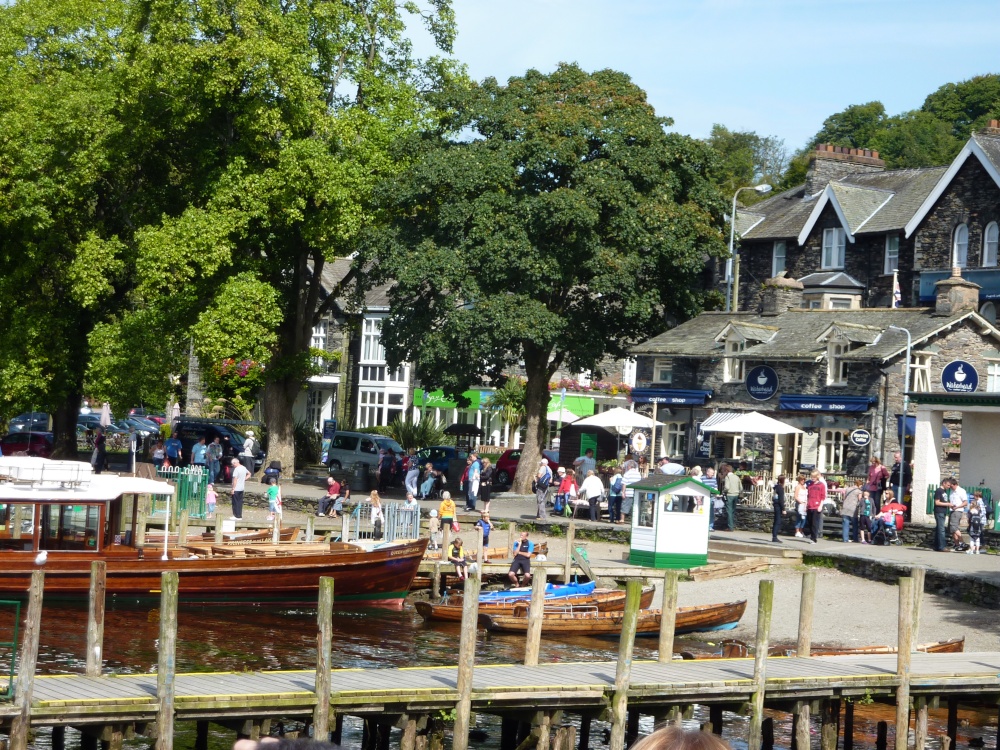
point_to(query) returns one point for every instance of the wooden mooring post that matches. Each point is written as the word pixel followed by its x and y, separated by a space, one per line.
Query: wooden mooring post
pixel 803 647
pixel 829 725
pixel 919 723
pixel 668 621
pixel 570 540
pixel 904 649
pixel 466 661
pixel 511 535
pixel 27 662
pixel 310 528
pixel 479 551
pixel 324 658
pixel 765 601
pixel 623 674
pixel 919 575
pixel 95 618
pixel 182 528
pixel 166 666
pixel 532 640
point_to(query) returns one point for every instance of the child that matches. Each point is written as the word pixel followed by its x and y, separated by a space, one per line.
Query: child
pixel 456 556
pixel 977 521
pixel 434 527
pixel 486 526
pixel 866 508
pixel 447 509
pixel 210 500
pixel 273 499
pixel 801 495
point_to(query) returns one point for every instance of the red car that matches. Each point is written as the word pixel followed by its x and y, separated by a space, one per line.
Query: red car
pixel 33 443
pixel 507 464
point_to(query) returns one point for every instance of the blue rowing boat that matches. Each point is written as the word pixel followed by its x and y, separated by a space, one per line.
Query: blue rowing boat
pixel 552 591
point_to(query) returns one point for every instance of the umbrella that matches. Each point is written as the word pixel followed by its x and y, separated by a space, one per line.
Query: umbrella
pixel 752 421
pixel 617 417
pixel 105 414
pixel 463 429
pixel 562 415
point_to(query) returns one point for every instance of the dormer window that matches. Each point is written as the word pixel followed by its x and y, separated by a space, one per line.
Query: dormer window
pixel 891 263
pixel 836 367
pixel 991 239
pixel 663 372
pixel 960 246
pixel 834 241
pixel 778 258
pixel 732 365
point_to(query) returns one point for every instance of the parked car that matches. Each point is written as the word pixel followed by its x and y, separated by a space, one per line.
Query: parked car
pixel 350 448
pixel 507 464
pixel 190 430
pixel 142 428
pixel 30 421
pixel 439 456
pixel 33 443
pixel 151 416
pixel 93 421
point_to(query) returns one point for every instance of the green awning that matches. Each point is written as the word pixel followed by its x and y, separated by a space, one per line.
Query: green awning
pixel 582 406
pixel 437 399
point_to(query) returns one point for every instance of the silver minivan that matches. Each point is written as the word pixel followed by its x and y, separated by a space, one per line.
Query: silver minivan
pixel 350 448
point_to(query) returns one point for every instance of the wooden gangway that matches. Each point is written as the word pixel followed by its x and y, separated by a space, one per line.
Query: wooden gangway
pixel 571 686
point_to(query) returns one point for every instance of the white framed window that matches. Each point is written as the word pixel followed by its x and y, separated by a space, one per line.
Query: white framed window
pixel 836 367
pixel 891 254
pixel 834 240
pixel 316 407
pixel 663 371
pixel 960 246
pixel 778 258
pixel 318 340
pixel 991 239
pixel 628 372
pixel 675 438
pixel 731 365
pixel 840 303
pixel 993 376
pixel 920 372
pixel 371 403
pixel 832 450
pixel 371 341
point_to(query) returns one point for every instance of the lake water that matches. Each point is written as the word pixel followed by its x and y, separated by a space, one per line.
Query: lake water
pixel 256 638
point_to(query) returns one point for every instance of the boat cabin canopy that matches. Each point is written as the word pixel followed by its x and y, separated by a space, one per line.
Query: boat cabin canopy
pixel 63 505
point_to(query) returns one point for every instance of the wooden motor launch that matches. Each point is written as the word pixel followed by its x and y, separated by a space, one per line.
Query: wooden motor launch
pixel 61 517
pixel 605 600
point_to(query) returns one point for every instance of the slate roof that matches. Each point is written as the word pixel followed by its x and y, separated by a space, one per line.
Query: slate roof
pixel 830 280
pixel 335 271
pixel 990 145
pixel 800 330
pixel 873 203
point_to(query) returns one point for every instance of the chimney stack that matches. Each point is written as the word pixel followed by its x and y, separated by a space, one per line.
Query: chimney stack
pixel 780 294
pixel 831 162
pixel 956 294
pixel 992 129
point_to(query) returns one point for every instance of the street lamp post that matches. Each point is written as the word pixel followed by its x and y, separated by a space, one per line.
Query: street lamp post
pixel 906 406
pixel 733 264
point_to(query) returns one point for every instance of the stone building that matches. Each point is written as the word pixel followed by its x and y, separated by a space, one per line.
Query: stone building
pixel 855 218
pixel 837 374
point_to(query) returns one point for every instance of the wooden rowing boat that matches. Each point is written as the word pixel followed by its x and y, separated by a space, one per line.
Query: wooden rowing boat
pixel 570 620
pixel 605 600
pixel 733 649
pixel 60 518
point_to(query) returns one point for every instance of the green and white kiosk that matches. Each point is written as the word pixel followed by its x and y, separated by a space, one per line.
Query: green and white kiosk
pixel 670 522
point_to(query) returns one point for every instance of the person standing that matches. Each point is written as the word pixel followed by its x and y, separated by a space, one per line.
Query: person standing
pixel 487 526
pixel 412 471
pixel 447 508
pixel 585 463
pixel 977 522
pixel 959 503
pixel 670 468
pixel 592 489
pixel 100 455
pixel 849 512
pixel 472 482
pixel 942 506
pixel 731 488
pixel 486 484
pixel 213 456
pixel 815 495
pixel 378 519
pixel 878 477
pixel 175 452
pixel 801 498
pixel 247 454
pixel 199 454
pixel 158 454
pixel 240 475
pixel 900 477
pixel 273 499
pixel 616 489
pixel 709 480
pixel 778 502
pixel 540 486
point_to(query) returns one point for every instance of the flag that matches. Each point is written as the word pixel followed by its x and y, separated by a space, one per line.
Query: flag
pixel 897 296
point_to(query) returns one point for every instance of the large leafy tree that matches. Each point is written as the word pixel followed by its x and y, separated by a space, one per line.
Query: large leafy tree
pixel 552 222
pixel 747 158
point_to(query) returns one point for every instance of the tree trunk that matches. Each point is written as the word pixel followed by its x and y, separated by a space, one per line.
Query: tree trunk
pixel 536 408
pixel 278 399
pixel 64 420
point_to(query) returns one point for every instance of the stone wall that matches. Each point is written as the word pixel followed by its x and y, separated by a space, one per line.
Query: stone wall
pixel 972 198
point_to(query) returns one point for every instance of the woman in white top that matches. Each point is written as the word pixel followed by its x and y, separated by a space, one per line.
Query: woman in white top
pixel 592 489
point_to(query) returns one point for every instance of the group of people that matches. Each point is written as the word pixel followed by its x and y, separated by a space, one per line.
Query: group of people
pixel 209 456
pixel 951 505
pixel 581 483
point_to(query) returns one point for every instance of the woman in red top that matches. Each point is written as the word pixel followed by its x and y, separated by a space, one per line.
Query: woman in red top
pixel 878 476
pixel 568 488
pixel 815 495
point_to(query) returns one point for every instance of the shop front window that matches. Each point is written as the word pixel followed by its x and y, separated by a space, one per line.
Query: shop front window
pixel 833 450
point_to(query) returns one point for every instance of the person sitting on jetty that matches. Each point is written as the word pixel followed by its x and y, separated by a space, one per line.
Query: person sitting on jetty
pixel 523 548
pixel 456 556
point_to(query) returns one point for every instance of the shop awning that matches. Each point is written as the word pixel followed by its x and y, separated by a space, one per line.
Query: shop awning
pixel 747 421
pixel 911 427
pixel 437 399
pixel 790 402
pixel 670 396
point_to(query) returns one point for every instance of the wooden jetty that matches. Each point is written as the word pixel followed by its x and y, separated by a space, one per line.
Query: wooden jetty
pixel 531 698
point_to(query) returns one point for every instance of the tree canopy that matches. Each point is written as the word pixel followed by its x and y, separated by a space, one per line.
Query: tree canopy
pixel 745 159
pixel 551 222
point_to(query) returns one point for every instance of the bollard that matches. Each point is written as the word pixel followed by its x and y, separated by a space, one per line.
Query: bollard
pixel 668 615
pixel 904 648
pixel 466 661
pixel 95 617
pixel 218 528
pixel 532 640
pixel 623 674
pixel 765 600
pixel 803 645
pixel 324 657
pixel 570 540
pixel 166 667
pixel 182 528
pixel 310 529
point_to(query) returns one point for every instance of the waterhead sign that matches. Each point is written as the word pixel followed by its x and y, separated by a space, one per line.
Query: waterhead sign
pixel 958 376
pixel 762 383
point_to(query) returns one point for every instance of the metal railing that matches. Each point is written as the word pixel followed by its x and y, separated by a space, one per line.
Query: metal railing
pixel 8 649
pixel 987 497
pixel 399 522
pixel 190 484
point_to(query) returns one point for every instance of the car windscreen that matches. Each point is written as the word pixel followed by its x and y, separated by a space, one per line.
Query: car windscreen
pixel 389 444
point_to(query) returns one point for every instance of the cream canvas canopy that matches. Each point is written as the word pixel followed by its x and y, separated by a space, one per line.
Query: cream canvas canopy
pixel 751 421
pixel 562 415
pixel 617 417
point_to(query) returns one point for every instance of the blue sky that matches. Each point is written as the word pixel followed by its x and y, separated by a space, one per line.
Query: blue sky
pixel 779 67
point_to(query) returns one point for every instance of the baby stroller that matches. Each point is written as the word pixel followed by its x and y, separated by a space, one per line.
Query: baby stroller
pixel 440 482
pixel 887 533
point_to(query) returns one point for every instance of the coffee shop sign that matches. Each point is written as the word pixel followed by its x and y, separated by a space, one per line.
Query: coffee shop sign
pixel 959 376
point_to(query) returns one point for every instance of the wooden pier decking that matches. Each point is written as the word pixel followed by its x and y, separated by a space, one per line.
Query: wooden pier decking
pixel 584 687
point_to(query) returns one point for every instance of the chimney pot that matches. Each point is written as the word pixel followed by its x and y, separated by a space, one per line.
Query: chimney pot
pixel 995 123
pixel 874 154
